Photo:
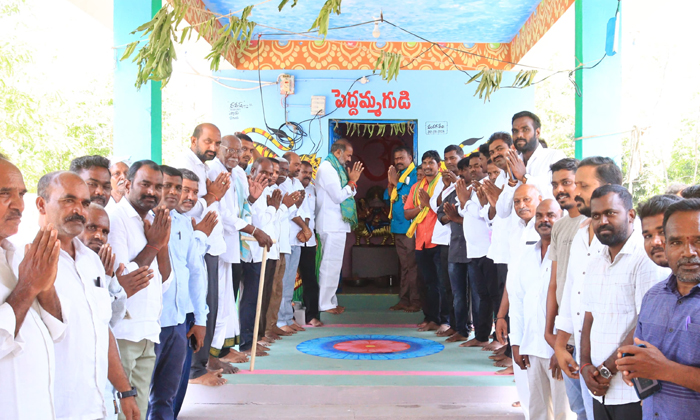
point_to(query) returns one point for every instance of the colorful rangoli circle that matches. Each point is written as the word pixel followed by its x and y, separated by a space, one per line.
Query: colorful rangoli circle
pixel 370 347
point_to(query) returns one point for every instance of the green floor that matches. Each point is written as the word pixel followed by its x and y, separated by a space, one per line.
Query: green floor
pixel 370 309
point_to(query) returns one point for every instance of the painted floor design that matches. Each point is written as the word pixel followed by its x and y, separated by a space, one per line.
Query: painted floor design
pixel 370 347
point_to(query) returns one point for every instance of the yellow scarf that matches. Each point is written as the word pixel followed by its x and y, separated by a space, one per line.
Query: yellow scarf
pixel 416 202
pixel 395 191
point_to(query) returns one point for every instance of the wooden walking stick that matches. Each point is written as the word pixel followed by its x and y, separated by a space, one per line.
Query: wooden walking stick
pixel 254 349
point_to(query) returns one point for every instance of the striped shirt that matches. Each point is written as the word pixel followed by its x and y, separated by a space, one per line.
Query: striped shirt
pixel 613 294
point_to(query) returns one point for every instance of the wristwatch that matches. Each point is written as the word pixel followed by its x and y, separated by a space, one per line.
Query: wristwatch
pixel 127 394
pixel 605 372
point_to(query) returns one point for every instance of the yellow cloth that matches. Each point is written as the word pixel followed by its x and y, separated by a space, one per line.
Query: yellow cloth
pixel 416 202
pixel 395 191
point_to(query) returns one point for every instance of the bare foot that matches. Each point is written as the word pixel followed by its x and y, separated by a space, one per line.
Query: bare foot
pixel 516 404
pixel 422 324
pixel 496 357
pixel 258 353
pixel 500 351
pixel 455 338
pixel 506 371
pixel 334 311
pixel 445 333
pixel 288 329
pixel 494 345
pixel 297 326
pixel 412 308
pixel 211 378
pixel 474 343
pixel 262 347
pixel 398 307
pixel 279 331
pixel 267 340
pixel 235 357
pixel 430 327
pixel 507 362
pixel 316 323
pixel 216 364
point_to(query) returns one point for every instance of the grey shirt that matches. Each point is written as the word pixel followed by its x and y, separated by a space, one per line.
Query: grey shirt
pixel 458 244
pixel 563 233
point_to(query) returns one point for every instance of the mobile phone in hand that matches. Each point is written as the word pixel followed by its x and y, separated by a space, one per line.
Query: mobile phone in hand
pixel 644 387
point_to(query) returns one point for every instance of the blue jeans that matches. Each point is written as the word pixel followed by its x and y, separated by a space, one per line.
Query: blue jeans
pixel 286 312
pixel 460 281
pixel 185 377
pixel 573 391
pixel 428 260
pixel 587 398
pixel 170 358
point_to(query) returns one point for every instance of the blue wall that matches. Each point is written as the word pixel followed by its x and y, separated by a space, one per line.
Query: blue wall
pixel 435 96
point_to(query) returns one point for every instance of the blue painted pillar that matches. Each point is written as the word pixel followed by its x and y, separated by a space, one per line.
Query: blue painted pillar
pixel 137 113
pixel 598 108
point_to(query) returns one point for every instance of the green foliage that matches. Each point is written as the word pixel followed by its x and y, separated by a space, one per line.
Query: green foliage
pixel 42 128
pixel 321 22
pixel 388 65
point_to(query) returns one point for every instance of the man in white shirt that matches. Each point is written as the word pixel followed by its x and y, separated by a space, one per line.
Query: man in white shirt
pixel 139 237
pixel 441 237
pixel 334 219
pixel 88 353
pixel 118 170
pixel 307 257
pixel 527 292
pixel 296 227
pixel 615 284
pixel 94 170
pixel 30 310
pixel 204 145
pixel 591 173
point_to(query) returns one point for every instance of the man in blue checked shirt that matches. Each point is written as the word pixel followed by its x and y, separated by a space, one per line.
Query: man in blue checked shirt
pixel 184 303
pixel 669 323
pixel 401 177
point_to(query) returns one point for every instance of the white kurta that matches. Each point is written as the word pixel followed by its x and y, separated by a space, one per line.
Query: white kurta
pixel 27 362
pixel 329 195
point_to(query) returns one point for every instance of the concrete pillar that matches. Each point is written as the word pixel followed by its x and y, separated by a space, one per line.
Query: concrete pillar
pixel 137 113
pixel 598 108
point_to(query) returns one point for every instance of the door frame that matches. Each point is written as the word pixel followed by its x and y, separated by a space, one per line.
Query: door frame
pixel 333 136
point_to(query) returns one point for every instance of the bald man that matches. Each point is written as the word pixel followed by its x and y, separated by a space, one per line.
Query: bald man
pixel 87 356
pixel 527 291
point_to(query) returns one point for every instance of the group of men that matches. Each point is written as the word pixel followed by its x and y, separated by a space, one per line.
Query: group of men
pixel 143 278
pixel 585 293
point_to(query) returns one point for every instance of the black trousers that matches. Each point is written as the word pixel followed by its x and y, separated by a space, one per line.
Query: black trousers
pixel 309 282
pixel 250 282
pixel 267 292
pixel 483 272
pixel 200 358
pixel 631 411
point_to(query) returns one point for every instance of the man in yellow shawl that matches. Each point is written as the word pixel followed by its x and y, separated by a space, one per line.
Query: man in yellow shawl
pixel 418 208
pixel 401 177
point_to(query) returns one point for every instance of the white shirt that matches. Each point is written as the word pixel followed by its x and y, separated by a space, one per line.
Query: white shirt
pixel 538 174
pixel 527 294
pixel 500 235
pixel 441 233
pixel 289 186
pixel 27 361
pixel 329 195
pixel 215 241
pixel 111 203
pixel 476 229
pixel 571 313
pixel 82 356
pixel 229 221
pixel 522 235
pixel 307 211
pixel 266 218
pixel 127 239
pixel 613 295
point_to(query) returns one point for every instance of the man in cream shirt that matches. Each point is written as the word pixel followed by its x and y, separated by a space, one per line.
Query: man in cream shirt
pixel 30 312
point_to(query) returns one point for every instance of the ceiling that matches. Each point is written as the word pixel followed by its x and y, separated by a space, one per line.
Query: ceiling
pixel 464 21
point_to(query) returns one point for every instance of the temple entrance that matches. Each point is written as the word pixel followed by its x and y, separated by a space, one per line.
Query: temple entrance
pixel 371 263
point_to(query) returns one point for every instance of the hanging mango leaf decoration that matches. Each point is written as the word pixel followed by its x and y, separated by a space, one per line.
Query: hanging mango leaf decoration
pixel 156 55
pixel 490 81
pixel 388 65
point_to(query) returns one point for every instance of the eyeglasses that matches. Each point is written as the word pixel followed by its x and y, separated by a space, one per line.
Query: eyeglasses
pixel 229 151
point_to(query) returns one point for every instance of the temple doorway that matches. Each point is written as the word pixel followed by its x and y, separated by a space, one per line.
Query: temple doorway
pixel 371 264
